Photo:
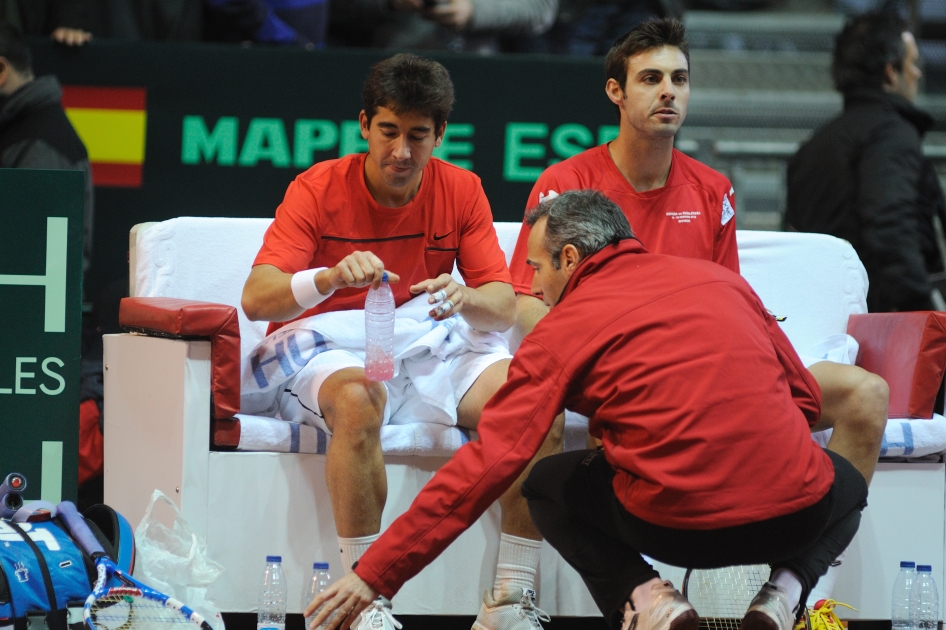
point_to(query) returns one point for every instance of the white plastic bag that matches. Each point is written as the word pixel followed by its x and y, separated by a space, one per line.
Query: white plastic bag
pixel 175 561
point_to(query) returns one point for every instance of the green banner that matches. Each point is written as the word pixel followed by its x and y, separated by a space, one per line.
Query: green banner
pixel 40 318
pixel 223 130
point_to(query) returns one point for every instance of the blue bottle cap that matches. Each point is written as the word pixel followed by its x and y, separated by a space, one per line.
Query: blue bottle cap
pixel 273 558
pixel 384 277
pixel 906 564
pixel 925 568
pixel 320 566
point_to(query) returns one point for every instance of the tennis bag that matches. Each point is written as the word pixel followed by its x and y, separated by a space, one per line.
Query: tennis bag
pixel 43 573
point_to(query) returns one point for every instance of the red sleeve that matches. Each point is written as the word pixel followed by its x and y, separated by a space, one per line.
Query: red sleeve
pixel 291 240
pixel 481 259
pixel 521 272
pixel 805 390
pixel 511 430
pixel 725 251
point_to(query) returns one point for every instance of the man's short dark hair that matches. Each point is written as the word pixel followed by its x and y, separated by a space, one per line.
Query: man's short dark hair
pixel 408 83
pixel 863 49
pixel 647 36
pixel 14 48
pixel 586 219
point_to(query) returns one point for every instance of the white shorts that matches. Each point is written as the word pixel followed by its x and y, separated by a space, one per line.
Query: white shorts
pixel 299 399
pixel 839 348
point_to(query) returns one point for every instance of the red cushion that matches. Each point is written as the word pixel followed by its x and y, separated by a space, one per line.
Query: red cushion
pixel 190 318
pixel 226 432
pixel 908 350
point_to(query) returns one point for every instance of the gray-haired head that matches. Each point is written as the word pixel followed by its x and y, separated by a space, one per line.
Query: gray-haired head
pixel 586 219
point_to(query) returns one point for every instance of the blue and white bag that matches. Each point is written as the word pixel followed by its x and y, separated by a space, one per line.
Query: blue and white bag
pixel 43 572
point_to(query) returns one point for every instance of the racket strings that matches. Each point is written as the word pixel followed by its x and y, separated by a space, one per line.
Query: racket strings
pixel 129 612
pixel 722 596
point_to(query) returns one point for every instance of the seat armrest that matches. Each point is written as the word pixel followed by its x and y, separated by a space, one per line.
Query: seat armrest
pixel 908 350
pixel 177 318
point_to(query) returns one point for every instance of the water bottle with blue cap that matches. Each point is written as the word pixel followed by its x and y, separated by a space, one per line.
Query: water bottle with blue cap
pixel 271 614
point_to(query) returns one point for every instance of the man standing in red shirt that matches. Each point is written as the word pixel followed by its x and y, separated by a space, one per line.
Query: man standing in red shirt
pixel 343 222
pixel 674 360
pixel 681 207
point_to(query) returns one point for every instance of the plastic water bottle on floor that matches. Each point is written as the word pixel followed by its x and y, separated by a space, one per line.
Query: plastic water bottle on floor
pixel 902 591
pixel 271 614
pixel 317 583
pixel 379 332
pixel 924 609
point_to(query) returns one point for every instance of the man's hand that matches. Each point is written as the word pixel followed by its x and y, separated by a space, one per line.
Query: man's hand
pixel 445 290
pixel 268 296
pixel 357 269
pixel 455 14
pixel 71 36
pixel 349 596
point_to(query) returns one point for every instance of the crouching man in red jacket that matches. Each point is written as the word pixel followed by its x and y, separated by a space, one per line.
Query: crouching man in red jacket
pixel 703 410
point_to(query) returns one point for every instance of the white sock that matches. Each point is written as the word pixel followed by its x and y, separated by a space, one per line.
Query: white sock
pixel 353 548
pixel 787 580
pixel 517 565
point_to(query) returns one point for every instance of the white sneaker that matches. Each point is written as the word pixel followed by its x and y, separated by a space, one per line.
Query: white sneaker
pixel 378 616
pixel 669 610
pixel 515 611
pixel 769 610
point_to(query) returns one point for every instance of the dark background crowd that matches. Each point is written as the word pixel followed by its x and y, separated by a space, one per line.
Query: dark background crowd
pixel 573 27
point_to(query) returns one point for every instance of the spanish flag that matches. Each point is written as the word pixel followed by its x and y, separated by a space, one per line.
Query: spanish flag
pixel 111 123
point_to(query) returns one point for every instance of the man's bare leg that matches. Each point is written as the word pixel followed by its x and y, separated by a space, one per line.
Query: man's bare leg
pixel 521 539
pixel 354 468
pixel 854 403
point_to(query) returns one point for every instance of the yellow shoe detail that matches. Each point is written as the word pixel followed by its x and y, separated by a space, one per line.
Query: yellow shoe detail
pixel 823 617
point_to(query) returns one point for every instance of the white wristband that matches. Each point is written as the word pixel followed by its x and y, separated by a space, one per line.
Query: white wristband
pixel 304 290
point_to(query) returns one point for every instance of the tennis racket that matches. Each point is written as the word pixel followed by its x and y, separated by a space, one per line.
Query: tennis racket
pixel 722 596
pixel 131 605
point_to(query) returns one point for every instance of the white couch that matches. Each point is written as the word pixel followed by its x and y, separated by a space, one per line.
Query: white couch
pixel 250 504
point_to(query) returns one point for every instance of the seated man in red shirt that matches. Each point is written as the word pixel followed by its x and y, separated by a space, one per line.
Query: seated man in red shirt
pixel 344 221
pixel 679 206
pixel 703 409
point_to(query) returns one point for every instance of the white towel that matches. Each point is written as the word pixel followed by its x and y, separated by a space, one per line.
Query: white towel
pixel 418 340
pixel 907 439
pixel 278 436
pixel 914 438
pixel 258 433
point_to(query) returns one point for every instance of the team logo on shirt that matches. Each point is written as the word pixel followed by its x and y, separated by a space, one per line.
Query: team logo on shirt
pixel 551 194
pixel 728 211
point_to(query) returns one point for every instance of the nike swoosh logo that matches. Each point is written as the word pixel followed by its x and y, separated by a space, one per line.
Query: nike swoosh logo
pixel 442 236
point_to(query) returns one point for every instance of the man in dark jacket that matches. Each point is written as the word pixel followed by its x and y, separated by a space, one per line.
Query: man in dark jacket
pixel 863 176
pixel 34 130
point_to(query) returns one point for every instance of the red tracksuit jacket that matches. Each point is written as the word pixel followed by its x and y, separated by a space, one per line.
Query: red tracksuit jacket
pixel 701 403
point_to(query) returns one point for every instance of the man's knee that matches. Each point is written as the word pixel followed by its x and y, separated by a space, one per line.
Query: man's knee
pixel 852 397
pixel 868 404
pixel 876 394
pixel 351 403
pixel 483 388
